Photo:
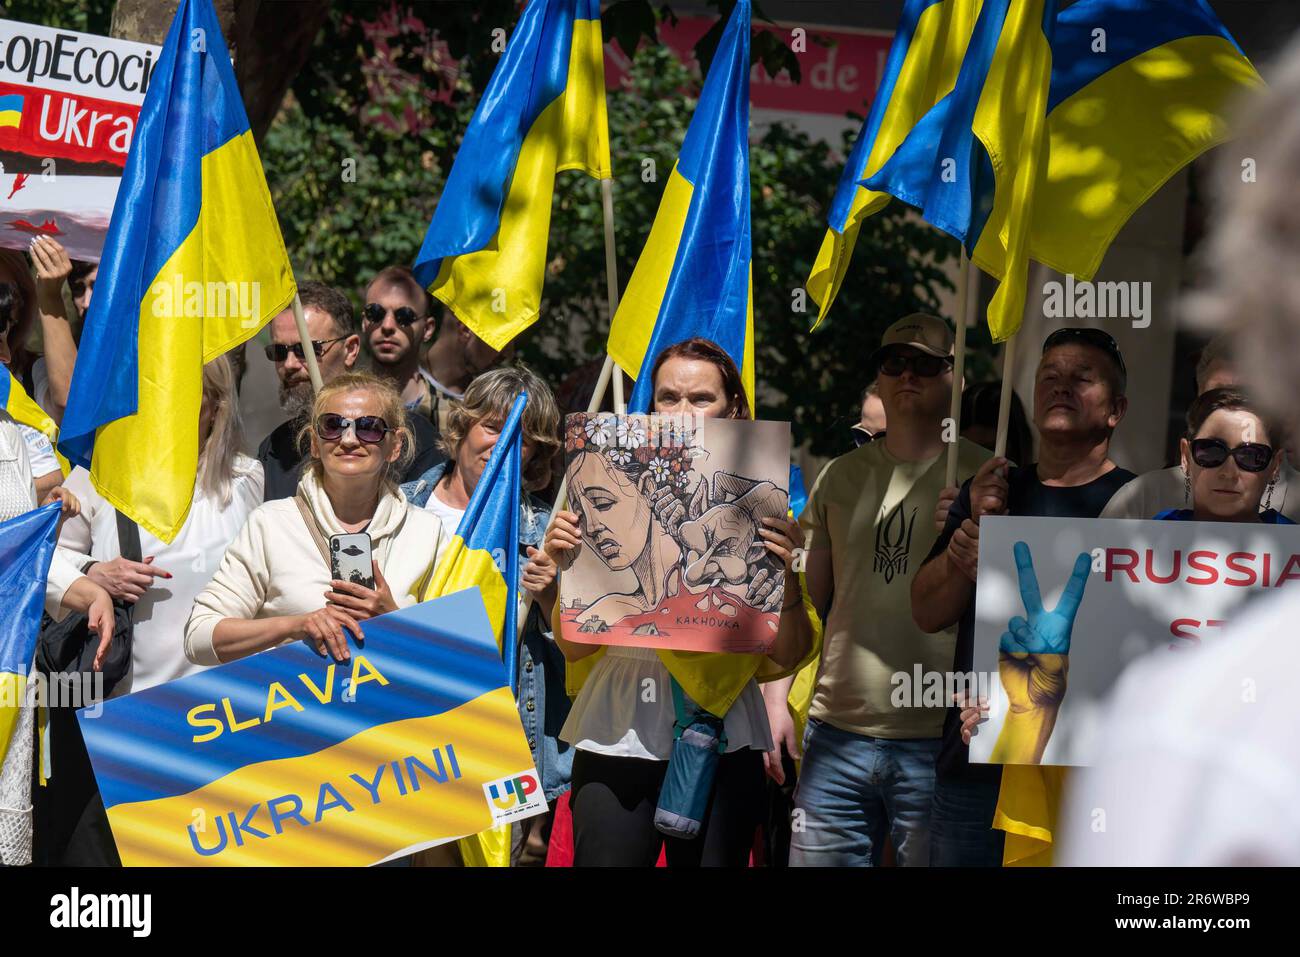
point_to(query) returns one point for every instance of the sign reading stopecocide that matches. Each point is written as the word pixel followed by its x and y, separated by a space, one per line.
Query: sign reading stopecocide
pixel 69 103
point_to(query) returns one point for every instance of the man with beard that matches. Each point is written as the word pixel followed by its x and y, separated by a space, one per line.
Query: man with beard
pixel 332 326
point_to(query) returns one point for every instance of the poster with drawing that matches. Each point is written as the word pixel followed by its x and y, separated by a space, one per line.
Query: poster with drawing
pixel 669 508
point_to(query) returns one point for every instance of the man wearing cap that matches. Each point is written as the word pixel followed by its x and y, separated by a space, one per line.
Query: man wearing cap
pixel 868 769
pixel 1078 403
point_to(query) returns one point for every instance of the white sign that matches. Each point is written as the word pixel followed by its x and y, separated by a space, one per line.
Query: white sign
pixel 1063 606
pixel 69 103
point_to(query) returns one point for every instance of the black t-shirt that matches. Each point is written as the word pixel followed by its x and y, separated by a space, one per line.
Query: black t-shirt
pixel 282 459
pixel 1026 496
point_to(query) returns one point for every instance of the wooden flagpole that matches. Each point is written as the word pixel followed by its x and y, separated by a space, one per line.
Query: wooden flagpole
pixel 958 366
pixel 308 351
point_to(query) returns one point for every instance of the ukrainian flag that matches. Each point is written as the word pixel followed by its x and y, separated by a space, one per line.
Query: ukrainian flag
pixel 11 110
pixel 23 409
pixel 484 554
pixel 26 548
pixel 972 163
pixel 193 265
pixel 920 70
pixel 283 758
pixel 694 277
pixel 543 111
pixel 1139 89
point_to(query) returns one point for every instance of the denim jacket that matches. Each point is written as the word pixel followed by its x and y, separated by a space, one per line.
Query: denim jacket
pixel 543 703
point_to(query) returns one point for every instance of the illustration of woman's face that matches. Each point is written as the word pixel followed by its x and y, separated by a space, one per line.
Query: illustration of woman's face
pixel 615 520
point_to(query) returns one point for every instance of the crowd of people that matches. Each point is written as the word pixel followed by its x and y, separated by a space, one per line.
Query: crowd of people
pixel 821 766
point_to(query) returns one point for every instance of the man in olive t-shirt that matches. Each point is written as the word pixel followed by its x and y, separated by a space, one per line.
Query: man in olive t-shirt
pixel 868 770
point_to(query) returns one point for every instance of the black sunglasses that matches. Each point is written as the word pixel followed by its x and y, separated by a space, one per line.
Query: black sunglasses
pixel 1092 337
pixel 369 429
pixel 374 314
pixel 923 364
pixel 278 351
pixel 1249 456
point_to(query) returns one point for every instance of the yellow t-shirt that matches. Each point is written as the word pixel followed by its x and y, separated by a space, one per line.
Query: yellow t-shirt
pixel 876 515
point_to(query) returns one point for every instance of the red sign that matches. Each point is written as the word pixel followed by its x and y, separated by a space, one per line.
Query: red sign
pixel 65 125
pixel 838 77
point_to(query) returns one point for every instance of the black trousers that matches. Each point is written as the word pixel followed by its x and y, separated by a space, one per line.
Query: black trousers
pixel 613 804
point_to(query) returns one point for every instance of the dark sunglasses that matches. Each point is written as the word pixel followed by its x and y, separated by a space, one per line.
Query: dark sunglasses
pixel 374 314
pixel 1091 337
pixel 369 429
pixel 924 365
pixel 278 351
pixel 1249 456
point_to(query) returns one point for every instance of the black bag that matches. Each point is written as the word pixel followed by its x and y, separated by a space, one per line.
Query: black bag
pixel 69 825
pixel 67 647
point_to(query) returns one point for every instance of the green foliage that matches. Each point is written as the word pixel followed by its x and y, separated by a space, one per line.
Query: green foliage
pixel 85 16
pixel 356 100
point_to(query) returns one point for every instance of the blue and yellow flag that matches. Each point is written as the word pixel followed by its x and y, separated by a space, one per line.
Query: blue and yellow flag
pixel 23 409
pixel 26 548
pixel 543 111
pixel 194 264
pixel 1139 89
pixel 694 276
pixel 484 554
pixel 972 163
pixel 920 70
pixel 285 758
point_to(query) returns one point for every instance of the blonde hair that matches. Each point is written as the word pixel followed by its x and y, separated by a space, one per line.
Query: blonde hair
pixel 391 409
pixel 491 395
pixel 217 457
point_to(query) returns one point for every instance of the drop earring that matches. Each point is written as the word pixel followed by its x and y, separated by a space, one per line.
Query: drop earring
pixel 1268 494
pixel 1187 488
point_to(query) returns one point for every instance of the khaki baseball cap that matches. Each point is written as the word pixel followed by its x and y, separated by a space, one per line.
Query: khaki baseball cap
pixel 929 334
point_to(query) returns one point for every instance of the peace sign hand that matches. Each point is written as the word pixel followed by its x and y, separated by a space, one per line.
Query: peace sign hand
pixel 1034 652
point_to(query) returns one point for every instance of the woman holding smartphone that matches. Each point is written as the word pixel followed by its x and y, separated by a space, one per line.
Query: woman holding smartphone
pixel 275 585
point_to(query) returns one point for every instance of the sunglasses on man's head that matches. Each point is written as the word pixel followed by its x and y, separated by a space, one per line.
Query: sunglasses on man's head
pixel 924 365
pixel 278 351
pixel 374 314
pixel 1249 456
pixel 369 429
pixel 1096 338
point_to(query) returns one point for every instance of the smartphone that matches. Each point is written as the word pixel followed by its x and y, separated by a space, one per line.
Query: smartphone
pixel 350 559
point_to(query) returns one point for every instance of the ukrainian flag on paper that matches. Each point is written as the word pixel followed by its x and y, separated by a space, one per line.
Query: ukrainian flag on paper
pixel 193 265
pixel 920 70
pixel 11 110
pixel 26 548
pixel 1123 119
pixel 972 163
pixel 543 111
pixel 285 758
pixel 23 409
pixel 694 276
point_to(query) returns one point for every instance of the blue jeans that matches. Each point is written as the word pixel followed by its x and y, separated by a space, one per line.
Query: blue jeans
pixel 961 824
pixel 853 790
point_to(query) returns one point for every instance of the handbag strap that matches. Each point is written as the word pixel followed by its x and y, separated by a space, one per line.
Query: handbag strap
pixel 128 538
pixel 686 717
pixel 310 521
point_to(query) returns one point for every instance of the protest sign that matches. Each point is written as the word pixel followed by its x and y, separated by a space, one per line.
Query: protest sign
pixel 1064 606
pixel 670 509
pixel 285 758
pixel 69 103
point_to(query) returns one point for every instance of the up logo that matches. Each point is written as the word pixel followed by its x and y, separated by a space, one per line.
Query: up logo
pixel 516 796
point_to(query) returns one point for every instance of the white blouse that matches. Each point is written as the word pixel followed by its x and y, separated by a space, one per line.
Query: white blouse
pixel 159 617
pixel 625 710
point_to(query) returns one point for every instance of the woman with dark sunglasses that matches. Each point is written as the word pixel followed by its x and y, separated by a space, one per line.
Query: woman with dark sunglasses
pixel 274 584
pixel 1231 456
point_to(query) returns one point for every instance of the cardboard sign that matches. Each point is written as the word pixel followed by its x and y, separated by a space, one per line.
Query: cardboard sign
pixel 285 758
pixel 69 103
pixel 1063 606
pixel 670 509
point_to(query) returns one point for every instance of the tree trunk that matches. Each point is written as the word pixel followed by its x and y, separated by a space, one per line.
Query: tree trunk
pixel 269 43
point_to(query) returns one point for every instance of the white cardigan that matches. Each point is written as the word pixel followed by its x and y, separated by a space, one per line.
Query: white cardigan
pixel 274 568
